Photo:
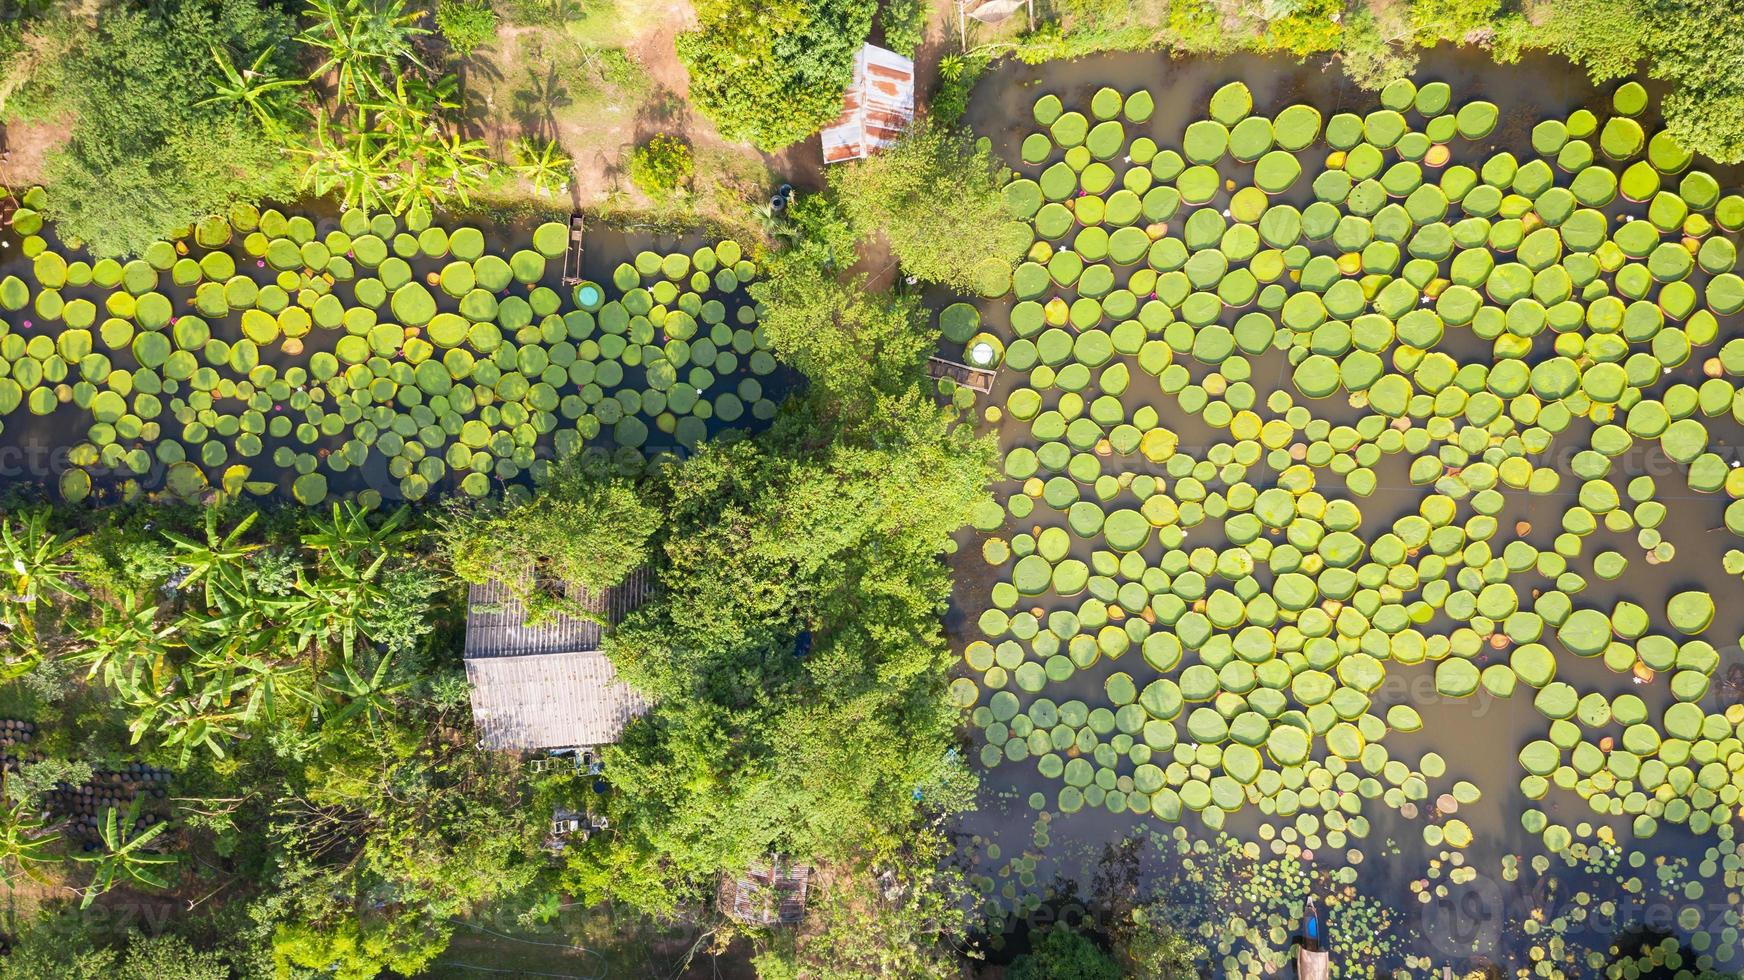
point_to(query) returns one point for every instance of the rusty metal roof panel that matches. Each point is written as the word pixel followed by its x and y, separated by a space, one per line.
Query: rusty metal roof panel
pixel 877 106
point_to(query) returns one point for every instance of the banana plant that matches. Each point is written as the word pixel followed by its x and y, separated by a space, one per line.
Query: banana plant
pixel 347 535
pixel 344 157
pixel 218 560
pixel 196 710
pixel 38 569
pixel 361 41
pixel 356 696
pixel 545 166
pixel 25 843
pixel 254 88
pixel 37 559
pixel 124 641
pixel 126 857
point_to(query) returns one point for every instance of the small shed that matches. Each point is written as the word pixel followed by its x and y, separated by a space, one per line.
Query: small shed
pixel 768 893
pixel 548 686
pixel 1312 964
pixel 876 108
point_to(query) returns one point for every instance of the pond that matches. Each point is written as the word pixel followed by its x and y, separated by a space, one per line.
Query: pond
pixel 1370 482
pixel 311 352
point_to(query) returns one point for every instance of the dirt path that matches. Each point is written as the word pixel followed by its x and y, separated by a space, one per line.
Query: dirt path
pixel 23 149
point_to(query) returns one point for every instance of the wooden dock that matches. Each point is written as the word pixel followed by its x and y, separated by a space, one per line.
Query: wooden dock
pixel 975 379
pixel 572 258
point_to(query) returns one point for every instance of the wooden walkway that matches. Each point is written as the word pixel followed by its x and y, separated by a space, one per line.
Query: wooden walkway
pixel 572 258
pixel 975 379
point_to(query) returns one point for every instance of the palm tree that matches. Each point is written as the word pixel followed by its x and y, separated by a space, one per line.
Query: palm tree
pixel 362 40
pixel 254 88
pixel 546 166
pixel 126 857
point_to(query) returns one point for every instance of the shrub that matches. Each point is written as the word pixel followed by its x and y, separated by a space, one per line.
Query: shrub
pixel 958 74
pixel 466 24
pixel 1063 954
pixel 661 167
pixel 145 157
pixel 904 23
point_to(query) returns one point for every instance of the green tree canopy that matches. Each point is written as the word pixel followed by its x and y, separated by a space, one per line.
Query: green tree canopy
pixel 773 71
pixel 935 197
pixel 586 526
pixel 147 155
pixel 823 527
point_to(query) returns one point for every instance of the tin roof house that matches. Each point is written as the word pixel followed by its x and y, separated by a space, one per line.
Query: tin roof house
pixel 876 108
pixel 548 686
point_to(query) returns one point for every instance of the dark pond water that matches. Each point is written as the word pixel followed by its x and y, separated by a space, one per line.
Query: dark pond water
pixel 1562 913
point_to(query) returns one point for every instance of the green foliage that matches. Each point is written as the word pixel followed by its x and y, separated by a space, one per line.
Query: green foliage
pixel 1149 945
pixel 1304 27
pixel 850 341
pixel 773 71
pixel 909 926
pixel 365 44
pixel 126 857
pixel 34 780
pixel 921 193
pixel 1694 45
pixel 904 24
pixel 828 524
pixel 958 74
pixel 405 809
pixel 1064 954
pixel 404 149
pixel 48 952
pixel 820 229
pixel 263 650
pixel 350 952
pixel 544 165
pixel 1459 21
pixel 586 527
pixel 145 157
pixel 1377 49
pixel 466 24
pixel 1602 36
pixel 661 167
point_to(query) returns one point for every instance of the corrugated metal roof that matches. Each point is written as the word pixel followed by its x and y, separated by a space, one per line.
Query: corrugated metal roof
pixel 548 686
pixel 876 108
pixel 550 700
pixel 496 622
